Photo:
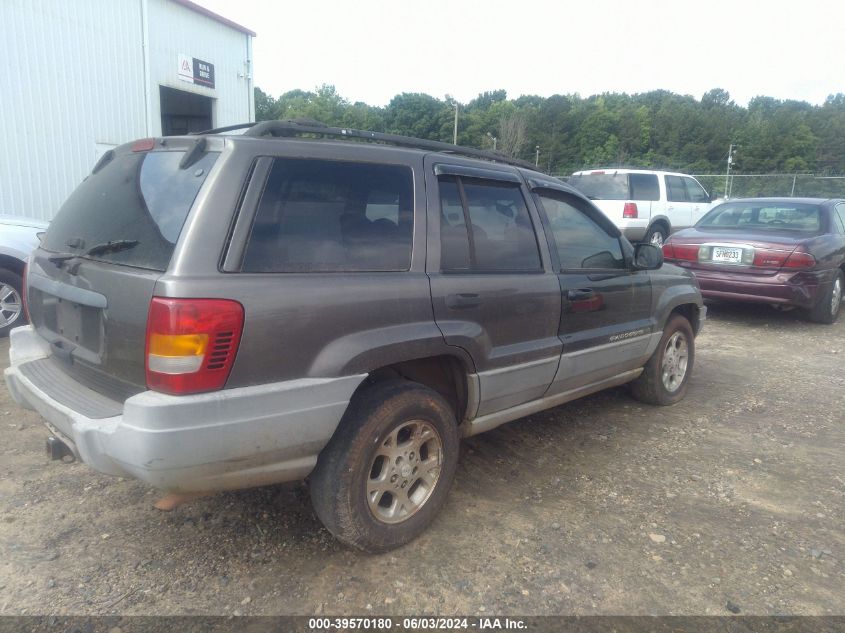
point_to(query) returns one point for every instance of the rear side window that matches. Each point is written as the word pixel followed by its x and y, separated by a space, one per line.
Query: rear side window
pixel 332 216
pixel 137 202
pixel 644 187
pixel 601 186
pixel 675 190
pixel 485 226
pixel 839 218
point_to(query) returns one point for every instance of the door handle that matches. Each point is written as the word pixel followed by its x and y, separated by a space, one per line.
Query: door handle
pixel 463 300
pixel 581 294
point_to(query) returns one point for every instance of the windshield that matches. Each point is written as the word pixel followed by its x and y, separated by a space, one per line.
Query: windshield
pixel 805 218
pixel 131 211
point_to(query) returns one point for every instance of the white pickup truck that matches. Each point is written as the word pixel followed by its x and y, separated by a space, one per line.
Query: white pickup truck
pixel 646 205
pixel 18 237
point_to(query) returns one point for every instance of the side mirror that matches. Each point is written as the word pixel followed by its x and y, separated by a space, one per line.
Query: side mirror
pixel 647 257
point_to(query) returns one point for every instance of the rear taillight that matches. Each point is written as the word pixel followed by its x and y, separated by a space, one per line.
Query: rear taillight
pixel 630 210
pixel 800 260
pixel 685 252
pixel 768 258
pixel 191 343
pixel 771 258
pixel 23 292
pixel 143 145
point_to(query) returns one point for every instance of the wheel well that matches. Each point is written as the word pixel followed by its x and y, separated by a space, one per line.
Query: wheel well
pixel 11 263
pixel 691 313
pixel 661 222
pixel 444 374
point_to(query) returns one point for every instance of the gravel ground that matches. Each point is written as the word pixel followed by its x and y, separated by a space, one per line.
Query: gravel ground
pixel 730 502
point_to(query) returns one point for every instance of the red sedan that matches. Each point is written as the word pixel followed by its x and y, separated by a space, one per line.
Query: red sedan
pixel 779 251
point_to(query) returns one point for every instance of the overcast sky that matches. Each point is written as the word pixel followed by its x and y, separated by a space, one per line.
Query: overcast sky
pixel 372 50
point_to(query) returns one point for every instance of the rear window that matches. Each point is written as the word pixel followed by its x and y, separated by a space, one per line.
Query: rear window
pixel 130 212
pixel 805 218
pixel 332 216
pixel 598 186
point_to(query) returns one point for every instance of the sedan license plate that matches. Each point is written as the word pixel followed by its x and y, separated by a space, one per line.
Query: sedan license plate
pixel 727 255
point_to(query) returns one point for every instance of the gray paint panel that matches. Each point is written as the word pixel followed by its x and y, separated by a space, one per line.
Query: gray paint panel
pixel 509 386
pixel 491 421
pixel 66 291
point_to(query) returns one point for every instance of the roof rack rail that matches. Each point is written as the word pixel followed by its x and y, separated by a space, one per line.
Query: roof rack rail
pixel 292 127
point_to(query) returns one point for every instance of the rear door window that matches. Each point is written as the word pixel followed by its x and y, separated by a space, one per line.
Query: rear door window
pixel 131 211
pixel 332 216
pixel 644 187
pixel 675 189
pixel 495 219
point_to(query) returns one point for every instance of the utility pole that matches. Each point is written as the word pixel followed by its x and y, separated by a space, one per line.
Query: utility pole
pixel 537 157
pixel 455 135
pixel 728 171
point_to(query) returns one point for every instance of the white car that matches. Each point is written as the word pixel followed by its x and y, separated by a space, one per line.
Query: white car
pixel 646 205
pixel 18 236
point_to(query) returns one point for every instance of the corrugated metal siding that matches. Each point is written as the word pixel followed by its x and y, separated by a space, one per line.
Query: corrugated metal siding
pixel 71 79
pixel 175 29
pixel 72 85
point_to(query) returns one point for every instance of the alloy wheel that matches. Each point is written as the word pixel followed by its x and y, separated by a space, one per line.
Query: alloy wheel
pixel 11 305
pixel 836 296
pixel 675 361
pixel 404 471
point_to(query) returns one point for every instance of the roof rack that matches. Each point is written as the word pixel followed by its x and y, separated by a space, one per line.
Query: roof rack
pixel 293 127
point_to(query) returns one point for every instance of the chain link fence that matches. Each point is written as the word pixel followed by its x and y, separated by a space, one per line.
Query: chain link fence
pixel 793 185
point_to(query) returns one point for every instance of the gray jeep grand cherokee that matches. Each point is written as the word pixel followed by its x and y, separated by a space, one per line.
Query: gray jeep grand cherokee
pixel 217 312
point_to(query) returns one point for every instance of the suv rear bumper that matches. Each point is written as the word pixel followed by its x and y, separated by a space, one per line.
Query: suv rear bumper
pixel 235 438
pixel 633 228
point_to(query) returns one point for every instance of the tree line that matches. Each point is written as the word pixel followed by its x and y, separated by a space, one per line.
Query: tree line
pixel 658 129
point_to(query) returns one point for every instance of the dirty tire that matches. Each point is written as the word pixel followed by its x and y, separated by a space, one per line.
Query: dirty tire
pixel 656 235
pixel 9 279
pixel 830 304
pixel 340 482
pixel 650 387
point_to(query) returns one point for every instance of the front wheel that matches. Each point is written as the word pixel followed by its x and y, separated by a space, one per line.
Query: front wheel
pixel 666 374
pixel 830 304
pixel 388 468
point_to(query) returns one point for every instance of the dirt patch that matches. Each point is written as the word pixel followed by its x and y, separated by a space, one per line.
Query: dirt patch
pixel 602 506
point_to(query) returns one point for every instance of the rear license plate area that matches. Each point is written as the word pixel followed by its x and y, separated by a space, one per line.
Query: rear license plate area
pixel 69 320
pixel 727 255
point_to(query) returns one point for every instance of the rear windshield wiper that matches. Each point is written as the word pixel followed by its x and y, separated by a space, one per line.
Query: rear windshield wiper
pixel 98 249
pixel 111 247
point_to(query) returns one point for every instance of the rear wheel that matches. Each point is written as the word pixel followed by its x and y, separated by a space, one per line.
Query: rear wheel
pixel 387 470
pixel 11 303
pixel 656 235
pixel 666 374
pixel 830 305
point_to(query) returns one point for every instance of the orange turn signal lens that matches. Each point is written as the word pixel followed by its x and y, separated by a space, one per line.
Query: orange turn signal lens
pixel 178 344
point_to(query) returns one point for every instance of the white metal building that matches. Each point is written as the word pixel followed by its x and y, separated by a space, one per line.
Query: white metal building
pixel 79 77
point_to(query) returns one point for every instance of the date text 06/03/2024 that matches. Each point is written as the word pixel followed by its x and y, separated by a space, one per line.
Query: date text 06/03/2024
pixel 416 624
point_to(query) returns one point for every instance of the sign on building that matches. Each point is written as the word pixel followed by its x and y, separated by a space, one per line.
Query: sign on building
pixel 196 71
